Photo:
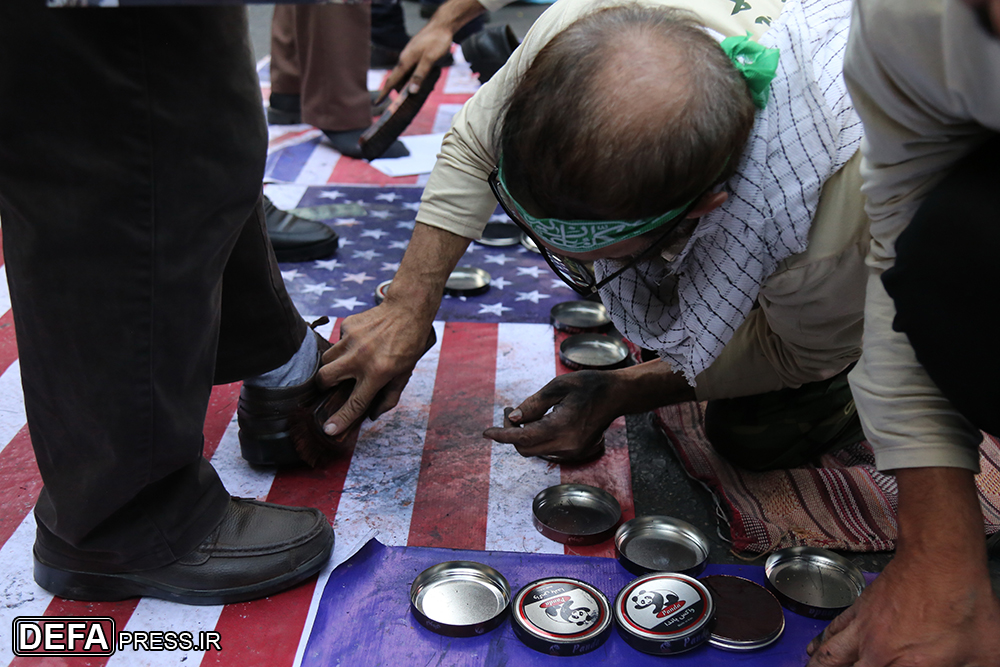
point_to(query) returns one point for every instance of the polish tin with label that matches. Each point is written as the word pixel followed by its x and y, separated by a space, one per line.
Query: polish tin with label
pixel 561 616
pixel 380 291
pixel 460 598
pixel 664 613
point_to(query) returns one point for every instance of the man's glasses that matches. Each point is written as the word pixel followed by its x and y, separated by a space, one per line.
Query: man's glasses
pixel 575 273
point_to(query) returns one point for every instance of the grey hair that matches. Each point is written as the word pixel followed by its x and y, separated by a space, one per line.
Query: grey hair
pixel 629 112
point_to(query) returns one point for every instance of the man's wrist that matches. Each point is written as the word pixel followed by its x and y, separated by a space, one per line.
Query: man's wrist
pixel 453 15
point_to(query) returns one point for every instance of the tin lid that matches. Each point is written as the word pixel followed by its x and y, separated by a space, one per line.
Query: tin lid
pixel 561 616
pixel 467 281
pixel 380 291
pixel 460 598
pixel 500 234
pixel 664 613
pixel 592 351
pixel 661 544
pixel 530 244
pixel 813 582
pixel 747 617
pixel 576 513
pixel 579 316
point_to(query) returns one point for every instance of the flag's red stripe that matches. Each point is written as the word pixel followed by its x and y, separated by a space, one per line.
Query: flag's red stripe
pixel 119 611
pixel 221 407
pixel 20 483
pixel 451 501
pixel 8 341
pixel 611 472
pixel 276 623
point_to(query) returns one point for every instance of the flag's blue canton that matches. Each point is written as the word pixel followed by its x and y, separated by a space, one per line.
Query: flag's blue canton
pixel 374 225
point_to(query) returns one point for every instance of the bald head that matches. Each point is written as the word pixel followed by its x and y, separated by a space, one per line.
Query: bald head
pixel 629 112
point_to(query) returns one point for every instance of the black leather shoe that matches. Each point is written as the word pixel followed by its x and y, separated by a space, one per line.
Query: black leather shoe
pixel 259 549
pixel 267 418
pixel 296 239
pixel 488 50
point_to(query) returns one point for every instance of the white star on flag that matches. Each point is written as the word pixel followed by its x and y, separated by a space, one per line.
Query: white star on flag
pixel 398 245
pixel 366 254
pixel 317 288
pixel 358 278
pixel 497 259
pixel 381 215
pixel 349 304
pixel 411 205
pixel 328 264
pixel 558 283
pixel 335 194
pixel 376 234
pixel 344 242
pixel 496 309
pixel 346 222
pixel 500 282
pixel 406 225
pixel 390 266
pixel 533 297
pixel 388 196
pixel 499 217
pixel 528 271
pixel 291 275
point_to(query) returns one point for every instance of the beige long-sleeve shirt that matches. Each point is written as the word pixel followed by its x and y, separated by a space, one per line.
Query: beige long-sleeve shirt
pixel 809 323
pixel 925 79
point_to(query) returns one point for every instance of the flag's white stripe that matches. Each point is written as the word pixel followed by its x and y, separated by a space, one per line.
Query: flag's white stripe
pixel 20 595
pixel 443 117
pixel 318 167
pixel 283 195
pixel 460 79
pixel 525 362
pixel 300 134
pixel 12 417
pixel 4 290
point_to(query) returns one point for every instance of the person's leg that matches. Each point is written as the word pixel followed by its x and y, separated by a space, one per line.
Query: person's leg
pixel 284 106
pixel 388 32
pixel 946 290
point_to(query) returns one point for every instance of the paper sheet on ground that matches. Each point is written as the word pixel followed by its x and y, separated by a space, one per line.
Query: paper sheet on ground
pixel 423 153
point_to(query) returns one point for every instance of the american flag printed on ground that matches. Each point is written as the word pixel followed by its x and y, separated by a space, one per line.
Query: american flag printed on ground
pixel 421 476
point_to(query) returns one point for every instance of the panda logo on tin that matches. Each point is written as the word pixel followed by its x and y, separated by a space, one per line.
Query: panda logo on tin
pixel 561 609
pixel 665 607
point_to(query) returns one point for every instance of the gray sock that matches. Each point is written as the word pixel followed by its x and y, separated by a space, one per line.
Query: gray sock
pixel 296 370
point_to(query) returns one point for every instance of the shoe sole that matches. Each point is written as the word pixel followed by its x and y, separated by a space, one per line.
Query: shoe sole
pixel 92 587
pixel 307 253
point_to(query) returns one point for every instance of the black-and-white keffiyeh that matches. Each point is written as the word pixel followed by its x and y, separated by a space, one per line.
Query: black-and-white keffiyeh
pixel 688 309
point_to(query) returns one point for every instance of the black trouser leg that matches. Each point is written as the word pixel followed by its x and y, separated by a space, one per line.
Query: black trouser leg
pixel 131 154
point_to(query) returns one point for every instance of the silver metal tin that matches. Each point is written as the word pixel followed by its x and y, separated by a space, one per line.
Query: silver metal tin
pixel 747 616
pixel 576 514
pixel 664 613
pixel 380 291
pixel 460 598
pixel 530 244
pixel 580 317
pixel 467 281
pixel 585 455
pixel 593 351
pixel 561 616
pixel 500 234
pixel 661 544
pixel 813 582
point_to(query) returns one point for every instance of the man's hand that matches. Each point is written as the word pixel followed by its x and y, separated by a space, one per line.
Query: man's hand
pixel 582 407
pixel 933 605
pixel 429 45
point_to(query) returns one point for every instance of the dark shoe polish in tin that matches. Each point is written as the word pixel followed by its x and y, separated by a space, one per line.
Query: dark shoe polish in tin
pixel 561 616
pixel 460 598
pixel 813 582
pixel 576 514
pixel 661 544
pixel 664 613
pixel 747 617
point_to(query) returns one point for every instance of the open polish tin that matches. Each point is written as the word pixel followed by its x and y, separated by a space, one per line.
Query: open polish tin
pixel 381 290
pixel 576 514
pixel 661 544
pixel 747 617
pixel 813 582
pixel 664 613
pixel 561 616
pixel 467 281
pixel 580 317
pixel 593 351
pixel 460 598
pixel 500 234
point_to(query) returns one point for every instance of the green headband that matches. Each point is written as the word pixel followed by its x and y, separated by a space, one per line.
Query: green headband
pixel 758 65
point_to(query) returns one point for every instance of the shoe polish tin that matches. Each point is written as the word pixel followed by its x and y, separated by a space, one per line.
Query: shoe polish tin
pixel 460 598
pixel 661 544
pixel 813 582
pixel 561 616
pixel 579 317
pixel 500 234
pixel 576 514
pixel 747 616
pixel 529 244
pixel 593 351
pixel 380 291
pixel 664 613
pixel 467 281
